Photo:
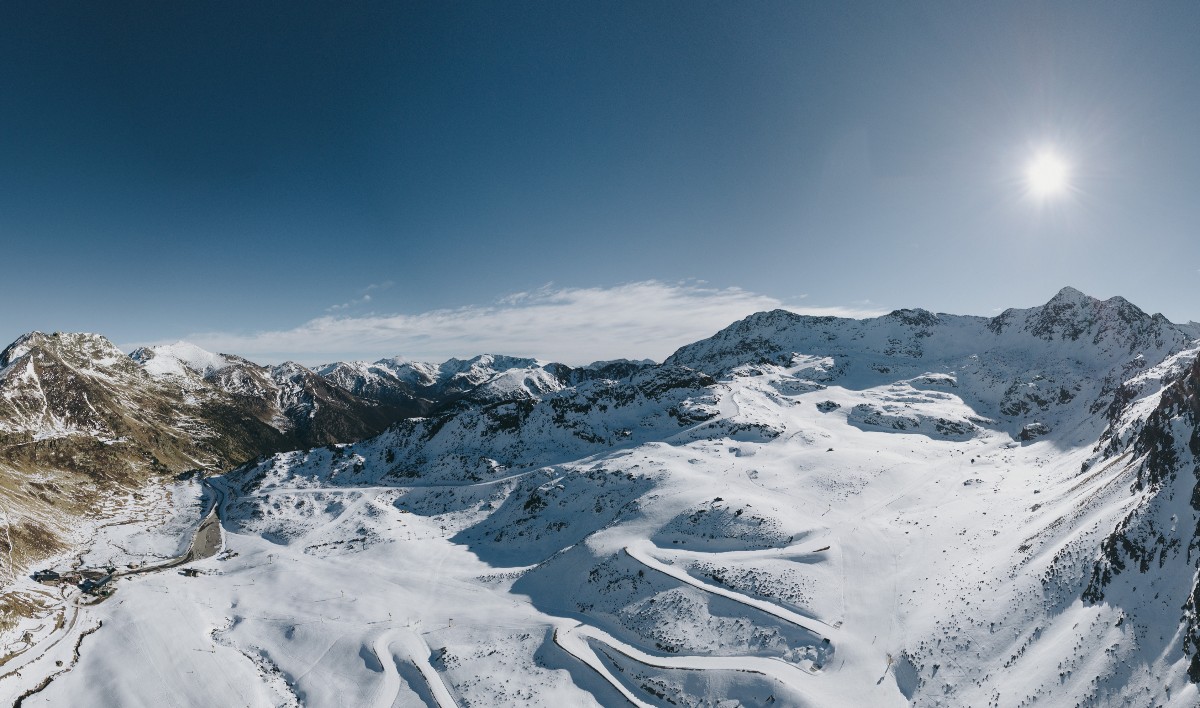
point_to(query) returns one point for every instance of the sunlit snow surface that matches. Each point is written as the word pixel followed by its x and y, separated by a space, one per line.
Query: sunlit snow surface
pixel 356 601
pixel 179 359
pixel 794 535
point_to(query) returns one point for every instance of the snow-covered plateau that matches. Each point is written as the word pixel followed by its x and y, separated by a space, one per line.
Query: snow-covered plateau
pixel 918 509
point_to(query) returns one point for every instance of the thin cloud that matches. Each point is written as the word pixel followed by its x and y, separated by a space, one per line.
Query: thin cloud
pixel 573 325
pixel 364 297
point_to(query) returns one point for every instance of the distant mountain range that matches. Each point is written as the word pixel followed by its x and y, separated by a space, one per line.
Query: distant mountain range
pixel 79 415
pixel 919 508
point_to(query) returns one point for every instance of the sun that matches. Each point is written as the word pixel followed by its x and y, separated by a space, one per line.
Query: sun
pixel 1048 175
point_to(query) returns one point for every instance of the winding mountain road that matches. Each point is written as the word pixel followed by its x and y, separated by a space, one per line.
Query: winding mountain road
pixel 640 553
pixel 574 640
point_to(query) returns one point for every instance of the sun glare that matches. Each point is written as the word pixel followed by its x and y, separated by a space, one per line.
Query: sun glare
pixel 1048 175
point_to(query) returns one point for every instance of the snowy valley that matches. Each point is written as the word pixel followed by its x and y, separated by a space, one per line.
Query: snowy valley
pixel 917 509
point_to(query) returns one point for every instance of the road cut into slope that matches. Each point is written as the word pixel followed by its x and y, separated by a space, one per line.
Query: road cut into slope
pixel 641 553
pixel 575 638
pixel 205 544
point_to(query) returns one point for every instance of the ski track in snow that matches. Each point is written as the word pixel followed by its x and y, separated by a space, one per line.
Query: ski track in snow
pixel 417 651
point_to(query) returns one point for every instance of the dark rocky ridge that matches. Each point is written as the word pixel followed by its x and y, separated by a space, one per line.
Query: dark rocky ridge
pixel 1157 543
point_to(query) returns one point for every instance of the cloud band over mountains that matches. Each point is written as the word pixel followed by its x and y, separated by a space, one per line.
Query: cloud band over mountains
pixel 648 319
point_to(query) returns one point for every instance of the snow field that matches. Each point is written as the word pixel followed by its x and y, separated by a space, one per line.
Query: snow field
pixel 668 540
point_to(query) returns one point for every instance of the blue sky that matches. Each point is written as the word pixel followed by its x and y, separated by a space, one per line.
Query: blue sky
pixel 277 179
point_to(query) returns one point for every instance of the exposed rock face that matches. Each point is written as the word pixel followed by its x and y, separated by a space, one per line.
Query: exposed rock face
pixel 1033 431
pixel 377 382
pixel 1156 545
pixel 81 422
pixel 303 407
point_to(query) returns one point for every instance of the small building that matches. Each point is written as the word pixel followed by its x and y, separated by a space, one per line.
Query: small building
pixel 94 585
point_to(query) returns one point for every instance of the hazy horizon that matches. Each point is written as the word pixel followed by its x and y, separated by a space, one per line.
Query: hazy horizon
pixel 575 327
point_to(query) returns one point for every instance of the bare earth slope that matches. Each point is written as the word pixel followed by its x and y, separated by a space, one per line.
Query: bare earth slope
pixel 88 431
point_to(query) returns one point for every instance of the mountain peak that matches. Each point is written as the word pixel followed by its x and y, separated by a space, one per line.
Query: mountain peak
pixel 78 347
pixel 1070 297
pixel 1069 294
pixel 179 359
pixel 498 362
pixel 1072 315
pixel 917 317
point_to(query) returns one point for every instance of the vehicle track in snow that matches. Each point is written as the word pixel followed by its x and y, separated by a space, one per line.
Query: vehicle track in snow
pixel 38 651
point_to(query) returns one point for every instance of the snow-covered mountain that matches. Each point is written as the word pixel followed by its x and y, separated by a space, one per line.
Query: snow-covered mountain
pixel 919 508
pixel 82 417
pixel 85 428
pixel 289 397
pixel 425 387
